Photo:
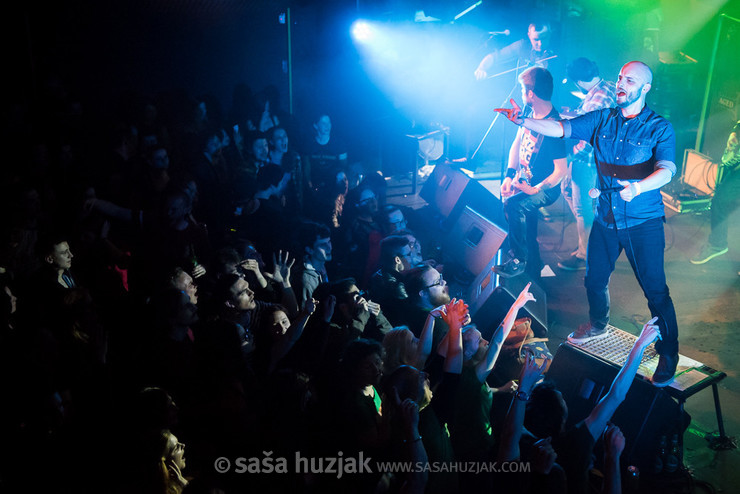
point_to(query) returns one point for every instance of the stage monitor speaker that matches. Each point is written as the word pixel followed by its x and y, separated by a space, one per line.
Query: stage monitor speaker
pixel 491 297
pixel 699 171
pixel 646 413
pixel 473 241
pixel 449 191
pixel 443 188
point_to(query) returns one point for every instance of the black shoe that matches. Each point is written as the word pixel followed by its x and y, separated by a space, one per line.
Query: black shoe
pixel 665 371
pixel 512 267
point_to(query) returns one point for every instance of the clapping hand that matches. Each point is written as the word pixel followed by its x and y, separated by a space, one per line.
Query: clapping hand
pixel 456 313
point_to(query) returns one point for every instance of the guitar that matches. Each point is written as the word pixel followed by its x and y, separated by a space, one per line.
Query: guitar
pixel 523 176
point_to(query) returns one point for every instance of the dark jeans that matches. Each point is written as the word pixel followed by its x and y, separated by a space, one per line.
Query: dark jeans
pixel 725 201
pixel 521 214
pixel 644 245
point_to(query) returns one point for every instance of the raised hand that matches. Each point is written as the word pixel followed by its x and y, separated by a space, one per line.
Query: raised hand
pixel 281 271
pixel 514 113
pixel 250 265
pixel 524 296
pixel 544 456
pixel 456 313
pixel 330 304
pixel 613 441
pixel 309 306
pixel 438 311
pixel 198 271
pixel 650 332
pixel 531 373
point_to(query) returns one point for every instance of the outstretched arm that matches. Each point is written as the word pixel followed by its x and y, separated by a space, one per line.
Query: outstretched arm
pixel 550 128
pixel 485 366
pixel 604 409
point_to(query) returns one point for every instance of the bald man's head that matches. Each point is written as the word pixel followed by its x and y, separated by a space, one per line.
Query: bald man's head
pixel 642 69
pixel 633 84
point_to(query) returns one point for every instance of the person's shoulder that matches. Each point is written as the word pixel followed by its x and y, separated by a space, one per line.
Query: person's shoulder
pixel 653 118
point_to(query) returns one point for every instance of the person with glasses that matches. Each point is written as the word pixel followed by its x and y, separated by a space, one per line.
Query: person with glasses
pixel 393 219
pixel 427 289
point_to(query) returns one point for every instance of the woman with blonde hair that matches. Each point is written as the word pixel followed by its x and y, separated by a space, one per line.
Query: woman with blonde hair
pixel 403 348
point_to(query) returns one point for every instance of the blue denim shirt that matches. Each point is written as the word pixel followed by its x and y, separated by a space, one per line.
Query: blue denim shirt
pixel 626 149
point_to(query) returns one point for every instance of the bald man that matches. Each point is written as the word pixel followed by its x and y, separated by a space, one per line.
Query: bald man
pixel 634 149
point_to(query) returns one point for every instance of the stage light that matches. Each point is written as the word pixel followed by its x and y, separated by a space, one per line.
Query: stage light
pixel 361 31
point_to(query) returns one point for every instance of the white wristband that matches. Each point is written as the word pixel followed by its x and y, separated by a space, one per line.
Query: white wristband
pixel 638 189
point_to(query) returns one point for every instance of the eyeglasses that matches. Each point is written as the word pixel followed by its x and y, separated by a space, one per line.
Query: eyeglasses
pixel 439 282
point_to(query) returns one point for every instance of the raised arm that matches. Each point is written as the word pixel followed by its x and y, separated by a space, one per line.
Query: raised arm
pixel 281 348
pixel 281 275
pixel 484 367
pixel 455 314
pixel 604 409
pixel 514 422
pixel 424 348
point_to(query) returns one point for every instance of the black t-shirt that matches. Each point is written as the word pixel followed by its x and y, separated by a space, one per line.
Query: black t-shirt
pixel 538 151
pixel 323 162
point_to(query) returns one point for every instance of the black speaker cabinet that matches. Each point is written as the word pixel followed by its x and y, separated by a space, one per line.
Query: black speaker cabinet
pixel 491 296
pixel 473 241
pixel 449 191
pixel 646 413
pixel 443 188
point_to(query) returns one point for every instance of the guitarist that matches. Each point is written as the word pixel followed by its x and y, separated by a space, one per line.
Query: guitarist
pixel 725 201
pixel 536 166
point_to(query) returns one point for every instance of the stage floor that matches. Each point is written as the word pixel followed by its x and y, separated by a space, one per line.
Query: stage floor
pixel 707 301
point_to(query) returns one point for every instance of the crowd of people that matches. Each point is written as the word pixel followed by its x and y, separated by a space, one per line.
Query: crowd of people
pixel 178 283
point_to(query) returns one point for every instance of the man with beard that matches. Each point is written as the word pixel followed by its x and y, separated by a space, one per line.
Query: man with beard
pixel 634 149
pixel 426 289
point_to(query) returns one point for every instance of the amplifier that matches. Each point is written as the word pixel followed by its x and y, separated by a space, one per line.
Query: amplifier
pixel 686 199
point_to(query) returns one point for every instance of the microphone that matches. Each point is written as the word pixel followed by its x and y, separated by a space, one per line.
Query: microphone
pixel 505 32
pixel 595 193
